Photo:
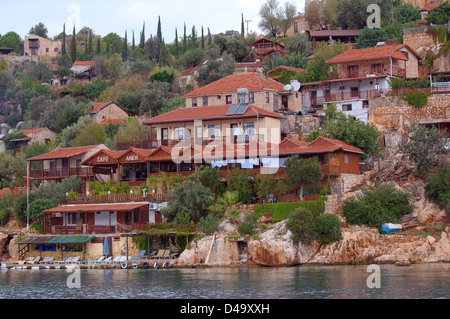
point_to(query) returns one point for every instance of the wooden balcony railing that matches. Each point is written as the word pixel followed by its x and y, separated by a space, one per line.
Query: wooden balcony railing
pixel 345 96
pixel 122 198
pixel 58 173
pixel 94 229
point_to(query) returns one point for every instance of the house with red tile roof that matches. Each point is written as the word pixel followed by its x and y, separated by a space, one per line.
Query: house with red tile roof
pixel 62 163
pixel 109 112
pixel 38 135
pixel 360 74
pixel 235 123
pixel 251 87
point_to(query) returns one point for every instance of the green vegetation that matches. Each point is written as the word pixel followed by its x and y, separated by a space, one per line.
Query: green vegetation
pixel 307 226
pixel 281 211
pixel 416 98
pixel 438 186
pixel 380 205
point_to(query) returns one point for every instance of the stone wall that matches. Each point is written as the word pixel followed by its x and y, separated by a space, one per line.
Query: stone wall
pixel 296 126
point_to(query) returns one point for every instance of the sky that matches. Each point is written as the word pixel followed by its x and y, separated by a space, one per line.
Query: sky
pixel 121 15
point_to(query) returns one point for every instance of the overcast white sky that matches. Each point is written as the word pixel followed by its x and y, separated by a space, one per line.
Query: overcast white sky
pixel 120 15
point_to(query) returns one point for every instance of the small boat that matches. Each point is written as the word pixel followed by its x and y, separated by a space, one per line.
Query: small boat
pixel 388 228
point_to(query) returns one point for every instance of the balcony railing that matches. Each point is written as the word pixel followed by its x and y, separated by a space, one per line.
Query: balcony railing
pixel 93 229
pixel 345 96
pixel 58 173
pixel 113 198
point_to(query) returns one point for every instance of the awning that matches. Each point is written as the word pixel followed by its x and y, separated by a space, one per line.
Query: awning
pixel 117 207
pixel 70 239
pixel 38 240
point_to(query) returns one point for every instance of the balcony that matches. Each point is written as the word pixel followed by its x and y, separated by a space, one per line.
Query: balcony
pixel 344 96
pixel 59 173
pixel 113 198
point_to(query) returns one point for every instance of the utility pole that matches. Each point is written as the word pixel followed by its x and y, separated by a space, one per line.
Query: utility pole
pixel 248 21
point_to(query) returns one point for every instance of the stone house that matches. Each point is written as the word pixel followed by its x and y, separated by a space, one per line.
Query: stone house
pixel 298 26
pixel 251 87
pixel 38 135
pixel 109 112
pixel 36 46
pixel 83 70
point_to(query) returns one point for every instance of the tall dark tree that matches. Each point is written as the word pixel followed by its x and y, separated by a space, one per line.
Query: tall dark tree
pixel 184 39
pixel 194 37
pixel 209 37
pixel 242 26
pixel 203 39
pixel 99 48
pixel 73 46
pixel 125 48
pixel 159 32
pixel 63 46
pixel 176 45
pixel 133 43
pixel 142 43
pixel 90 45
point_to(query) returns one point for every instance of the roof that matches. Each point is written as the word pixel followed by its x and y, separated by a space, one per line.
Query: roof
pixel 99 106
pixel 204 113
pixel 334 33
pixel 253 81
pixel 113 154
pixel 267 40
pixel 378 52
pixel 32 131
pixel 84 63
pixel 347 147
pixel 11 191
pixel 55 240
pixel 95 208
pixel 288 68
pixel 63 153
pixel 429 7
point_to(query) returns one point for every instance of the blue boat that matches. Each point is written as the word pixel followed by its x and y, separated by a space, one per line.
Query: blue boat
pixel 390 228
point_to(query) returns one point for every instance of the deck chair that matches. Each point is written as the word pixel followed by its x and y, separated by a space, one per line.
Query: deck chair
pixel 160 254
pixel 29 260
pixel 99 260
pixel 62 261
pixel 167 254
pixel 47 260
pixel 35 260
pixel 75 260
pixel 152 254
pixel 107 260
pixel 68 260
pixel 115 260
pixel 142 255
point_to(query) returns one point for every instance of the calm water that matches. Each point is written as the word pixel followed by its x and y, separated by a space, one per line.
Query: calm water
pixel 306 282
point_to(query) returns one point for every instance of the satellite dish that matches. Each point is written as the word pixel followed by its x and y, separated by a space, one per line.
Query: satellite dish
pixel 287 88
pixel 295 85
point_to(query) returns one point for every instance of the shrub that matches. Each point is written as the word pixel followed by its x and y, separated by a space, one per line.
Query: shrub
pixel 281 211
pixel 217 210
pixel 328 228
pixel 6 204
pixel 384 204
pixel 416 98
pixel 249 224
pixel 208 224
pixel 301 225
pixel 438 186
pixel 38 226
pixel 239 181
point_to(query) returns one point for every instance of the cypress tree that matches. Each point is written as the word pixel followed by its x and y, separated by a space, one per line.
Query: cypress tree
pixel 163 55
pixel 203 39
pixel 159 32
pixel 142 43
pixel 73 47
pixel 177 46
pixel 133 44
pixel 91 50
pixel 98 50
pixel 184 39
pixel 242 26
pixel 209 37
pixel 125 48
pixel 63 46
pixel 194 37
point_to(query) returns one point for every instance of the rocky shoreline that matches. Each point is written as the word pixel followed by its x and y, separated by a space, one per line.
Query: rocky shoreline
pixel 274 248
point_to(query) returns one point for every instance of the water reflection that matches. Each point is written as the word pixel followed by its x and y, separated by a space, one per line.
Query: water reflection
pixel 306 282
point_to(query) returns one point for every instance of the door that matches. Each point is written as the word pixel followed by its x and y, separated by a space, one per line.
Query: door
pixel 165 137
pixel 65 167
pixel 234 132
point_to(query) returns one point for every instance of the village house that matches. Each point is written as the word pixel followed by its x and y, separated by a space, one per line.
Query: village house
pixel 109 112
pixel 265 48
pixel 38 135
pixel 83 70
pixel 344 36
pixel 38 47
pixel 360 74
pixel 299 25
pixel 62 163
pixel 252 87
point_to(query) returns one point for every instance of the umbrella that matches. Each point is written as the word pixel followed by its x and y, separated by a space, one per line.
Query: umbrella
pixel 106 247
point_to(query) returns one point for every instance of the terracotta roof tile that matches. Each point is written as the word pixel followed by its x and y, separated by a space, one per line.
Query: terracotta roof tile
pixel 379 52
pixel 63 153
pixel 84 63
pixel 253 81
pixel 32 131
pixel 207 113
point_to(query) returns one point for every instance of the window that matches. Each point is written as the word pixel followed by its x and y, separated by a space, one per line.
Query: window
pixel 296 27
pixel 275 101
pixel 313 94
pixel 178 133
pixel 249 128
pixel 74 217
pixel 352 71
pixel 241 98
pixel 213 131
pixel 354 91
pixel 376 68
pixel 78 163
pixel 251 97
pixel 267 97
pixel 205 101
pixel 229 99
pixel 56 49
pixel 47 50
pixel 346 107
pixel 405 54
pixel 194 102
pixel 346 158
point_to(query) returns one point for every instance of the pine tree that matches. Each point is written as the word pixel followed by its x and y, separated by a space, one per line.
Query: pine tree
pixel 63 46
pixel 142 43
pixel 125 48
pixel 159 32
pixel 73 47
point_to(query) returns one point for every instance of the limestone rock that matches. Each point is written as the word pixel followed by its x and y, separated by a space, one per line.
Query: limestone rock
pixel 431 240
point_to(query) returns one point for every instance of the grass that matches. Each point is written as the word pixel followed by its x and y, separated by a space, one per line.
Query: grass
pixel 281 211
